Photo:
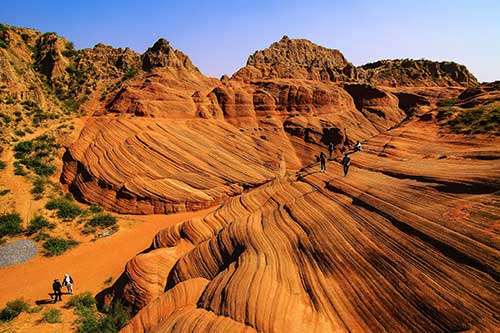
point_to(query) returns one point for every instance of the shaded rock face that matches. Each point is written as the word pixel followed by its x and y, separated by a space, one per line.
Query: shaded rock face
pixel 297 59
pixel 416 73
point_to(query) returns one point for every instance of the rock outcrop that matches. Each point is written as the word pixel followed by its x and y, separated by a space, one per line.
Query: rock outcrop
pixel 405 243
pixel 417 73
pixel 297 59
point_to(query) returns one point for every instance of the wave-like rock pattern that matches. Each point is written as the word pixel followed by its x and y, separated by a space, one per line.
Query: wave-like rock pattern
pixel 159 166
pixel 397 246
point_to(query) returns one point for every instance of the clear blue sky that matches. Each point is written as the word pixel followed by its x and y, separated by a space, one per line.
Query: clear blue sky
pixel 218 36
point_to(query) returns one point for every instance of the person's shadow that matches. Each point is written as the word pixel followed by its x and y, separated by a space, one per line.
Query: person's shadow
pixel 44 301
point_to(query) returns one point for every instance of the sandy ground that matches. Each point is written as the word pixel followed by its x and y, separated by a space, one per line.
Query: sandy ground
pixel 90 264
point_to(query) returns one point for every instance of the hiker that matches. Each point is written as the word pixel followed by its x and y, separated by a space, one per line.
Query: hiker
pixel 357 146
pixel 330 149
pixel 68 282
pixel 322 159
pixel 346 162
pixel 56 287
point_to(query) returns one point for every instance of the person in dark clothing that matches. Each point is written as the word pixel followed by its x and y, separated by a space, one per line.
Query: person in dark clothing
pixel 322 159
pixel 330 149
pixel 346 162
pixel 56 287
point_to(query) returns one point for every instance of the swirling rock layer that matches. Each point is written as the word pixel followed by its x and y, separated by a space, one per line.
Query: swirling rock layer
pixel 408 242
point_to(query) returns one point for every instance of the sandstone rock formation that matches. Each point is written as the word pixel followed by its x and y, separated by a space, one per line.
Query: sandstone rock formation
pixel 297 59
pixel 405 243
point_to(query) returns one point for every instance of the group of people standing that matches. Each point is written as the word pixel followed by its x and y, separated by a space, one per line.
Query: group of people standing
pixel 57 287
pixel 346 161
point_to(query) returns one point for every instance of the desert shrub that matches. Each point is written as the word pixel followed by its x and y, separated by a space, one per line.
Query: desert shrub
pixel 102 220
pixel 57 246
pixel 2 165
pixel 4 27
pixel 51 316
pixel 116 318
pixel 38 186
pixel 13 309
pixel 25 37
pixel 66 209
pixel 3 45
pixel 475 121
pixel 10 224
pixel 38 223
pixel 108 281
pixel 4 192
pixel 81 301
pixel 18 169
pixel 37 154
pixel 112 321
pixel 95 208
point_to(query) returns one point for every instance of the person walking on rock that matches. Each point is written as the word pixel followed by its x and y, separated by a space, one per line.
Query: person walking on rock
pixel 357 146
pixel 330 149
pixel 68 282
pixel 346 162
pixel 56 287
pixel 322 159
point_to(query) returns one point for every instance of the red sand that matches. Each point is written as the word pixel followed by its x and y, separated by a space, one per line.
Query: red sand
pixel 89 264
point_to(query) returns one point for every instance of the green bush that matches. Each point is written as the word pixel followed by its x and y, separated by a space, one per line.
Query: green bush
pixel 102 220
pixel 2 165
pixel 116 318
pixel 57 246
pixel 38 186
pixel 4 192
pixel 95 208
pixel 37 154
pixel 66 209
pixel 3 45
pixel 80 301
pixel 10 224
pixel 38 223
pixel 18 169
pixel 91 321
pixel 13 309
pixel 52 316
pixel 25 37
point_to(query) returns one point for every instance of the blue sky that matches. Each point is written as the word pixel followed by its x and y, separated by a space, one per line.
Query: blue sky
pixel 218 36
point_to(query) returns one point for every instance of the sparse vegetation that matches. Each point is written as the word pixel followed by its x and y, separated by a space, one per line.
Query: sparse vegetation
pixel 57 246
pixel 10 224
pixel 4 192
pixel 3 45
pixel 102 221
pixel 37 154
pixel 51 316
pixel 2 165
pixel 82 301
pixel 95 208
pixel 66 208
pixel 108 281
pixel 13 309
pixel 38 187
pixel 90 320
pixel 39 223
pixel 471 121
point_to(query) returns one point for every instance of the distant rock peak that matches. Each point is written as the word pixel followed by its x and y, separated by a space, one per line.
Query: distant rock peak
pixel 162 54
